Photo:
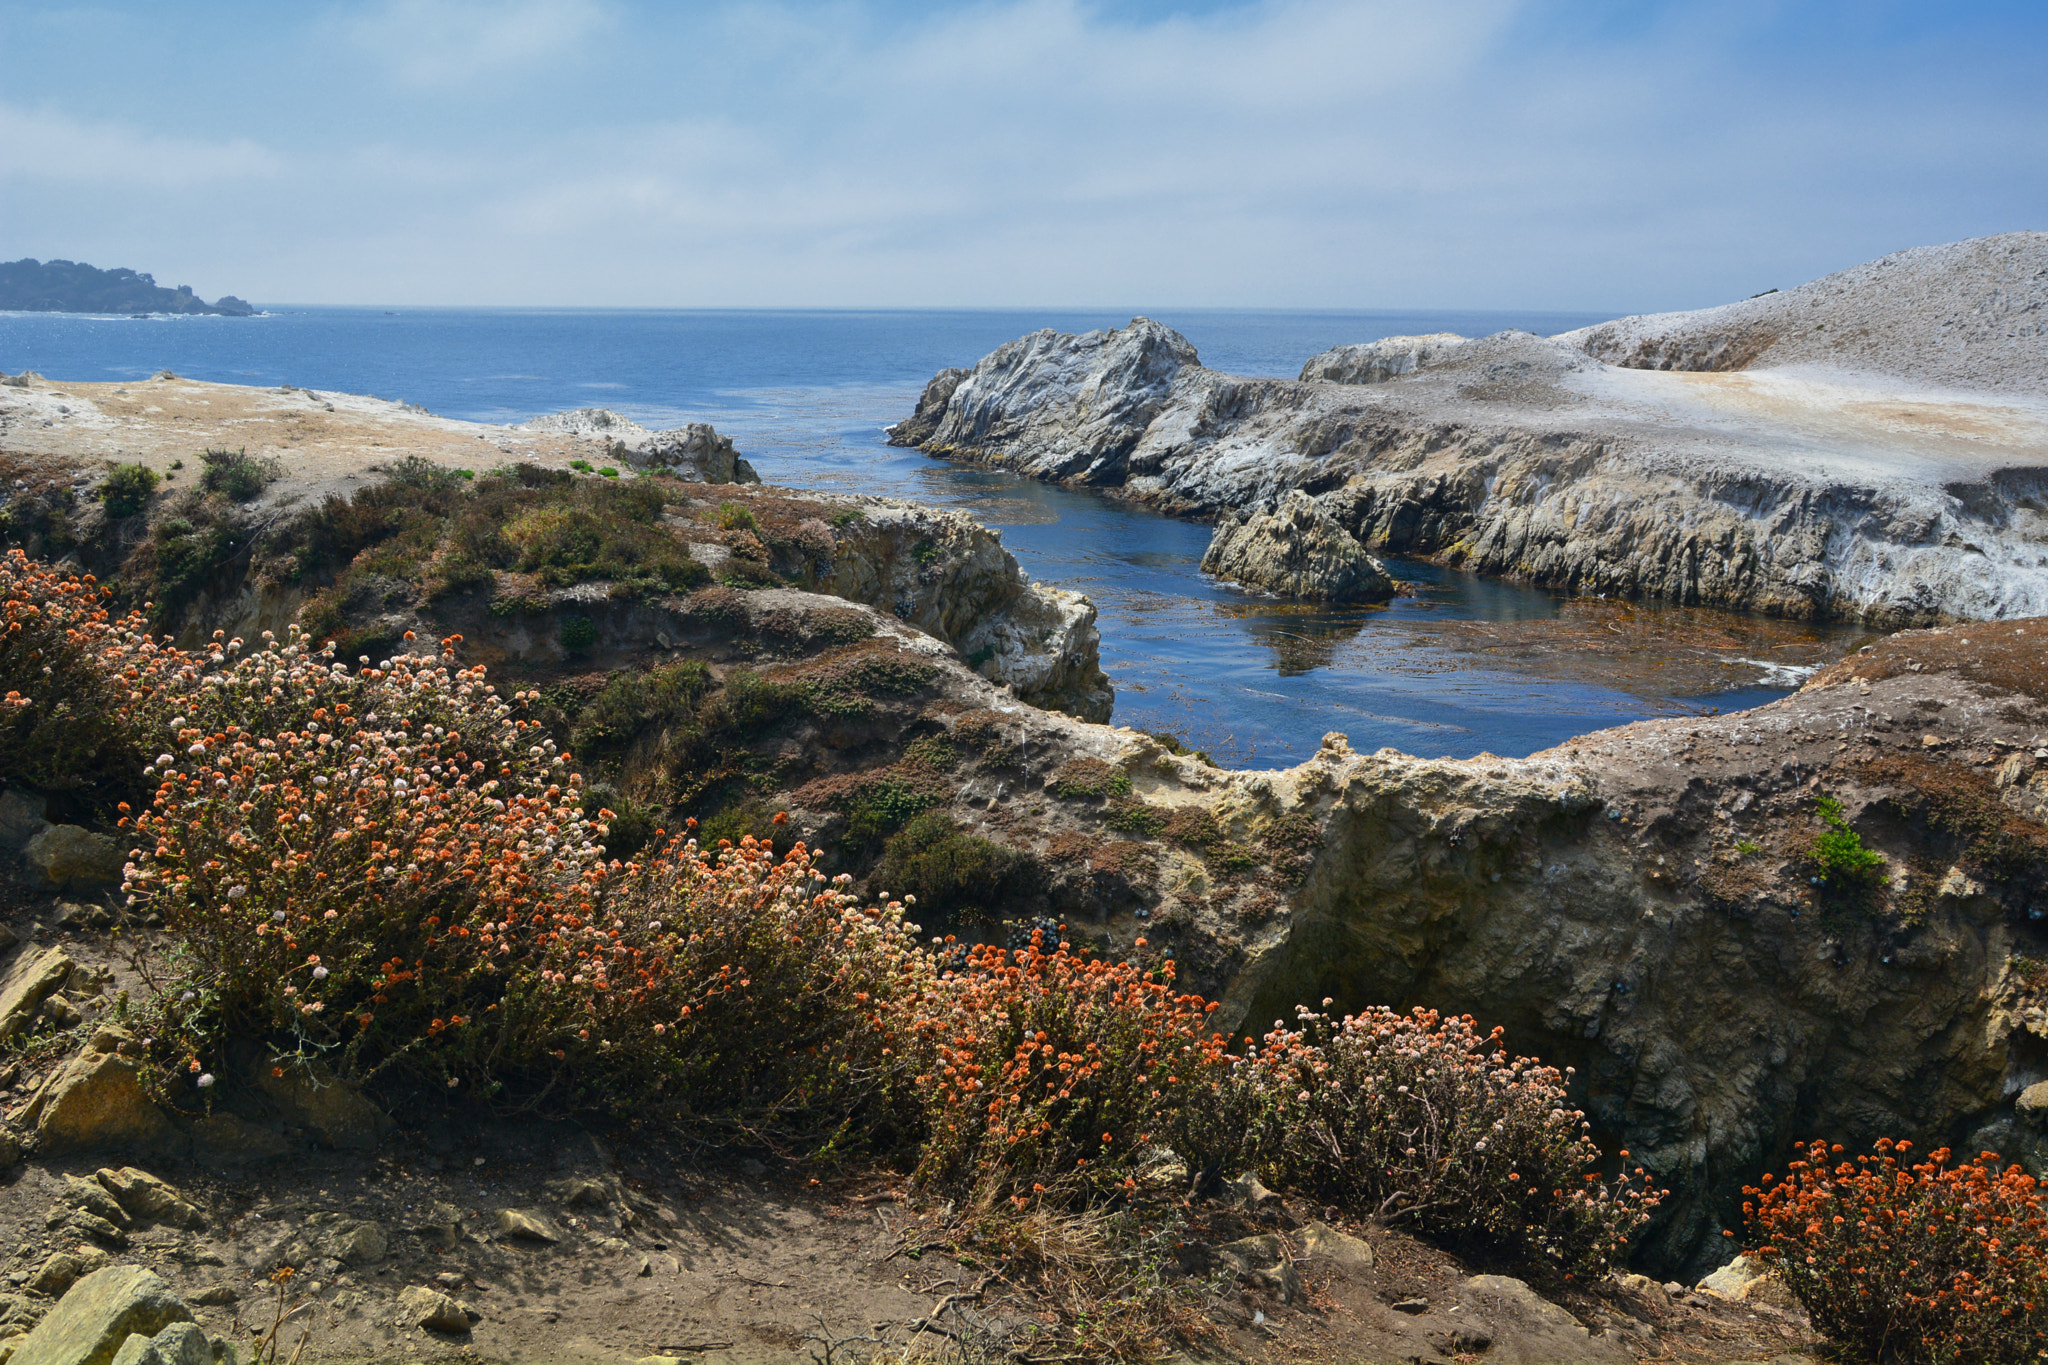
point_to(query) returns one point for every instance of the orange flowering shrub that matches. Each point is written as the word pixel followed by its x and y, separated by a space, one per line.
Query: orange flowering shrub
pixel 60 715
pixel 1420 1118
pixel 1930 1263
pixel 356 861
pixel 1050 1072
pixel 752 989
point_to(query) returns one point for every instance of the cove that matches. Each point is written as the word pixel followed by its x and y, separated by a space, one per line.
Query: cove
pixel 1464 665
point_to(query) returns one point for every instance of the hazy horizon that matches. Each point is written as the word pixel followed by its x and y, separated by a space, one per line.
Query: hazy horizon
pixel 1599 156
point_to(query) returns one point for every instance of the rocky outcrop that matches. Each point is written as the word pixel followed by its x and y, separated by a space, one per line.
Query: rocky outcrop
pixel 1296 549
pixel 1644 904
pixel 1805 489
pixel 1967 315
pixel 1375 362
pixel 94 1321
pixel 694 452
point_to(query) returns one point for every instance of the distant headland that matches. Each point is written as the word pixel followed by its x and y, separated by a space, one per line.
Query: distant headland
pixel 33 286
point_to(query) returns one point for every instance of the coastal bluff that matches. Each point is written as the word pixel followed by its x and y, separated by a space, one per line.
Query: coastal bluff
pixel 1869 447
pixel 32 286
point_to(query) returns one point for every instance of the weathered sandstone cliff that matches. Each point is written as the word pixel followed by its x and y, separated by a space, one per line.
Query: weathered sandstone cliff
pixel 1859 479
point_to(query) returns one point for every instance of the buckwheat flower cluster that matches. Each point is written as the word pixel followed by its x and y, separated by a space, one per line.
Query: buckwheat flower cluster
pixel 1420 1118
pixel 1932 1262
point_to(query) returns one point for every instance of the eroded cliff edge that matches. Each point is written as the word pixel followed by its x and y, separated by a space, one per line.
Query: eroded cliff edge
pixel 1871 446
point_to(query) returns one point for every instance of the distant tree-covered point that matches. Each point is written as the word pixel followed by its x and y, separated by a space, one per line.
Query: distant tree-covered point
pixel 33 286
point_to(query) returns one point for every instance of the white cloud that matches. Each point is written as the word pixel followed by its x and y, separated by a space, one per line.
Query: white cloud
pixel 45 145
pixel 433 43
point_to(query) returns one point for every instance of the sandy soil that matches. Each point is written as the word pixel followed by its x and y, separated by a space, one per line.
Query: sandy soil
pixel 326 442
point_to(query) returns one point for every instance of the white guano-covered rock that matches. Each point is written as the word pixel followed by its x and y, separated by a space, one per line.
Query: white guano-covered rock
pixel 694 452
pixel 1296 549
pixel 1375 362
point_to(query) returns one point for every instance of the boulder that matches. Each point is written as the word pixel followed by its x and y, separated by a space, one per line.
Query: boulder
pixel 1375 362
pixel 98 1314
pixel 695 453
pixel 95 1101
pixel 1737 1280
pixel 1526 1329
pixel 1297 550
pixel 30 981
pixel 356 1242
pixel 337 1113
pixel 433 1310
pixel 182 1343
pixel 72 858
pixel 2032 1105
pixel 1263 1262
pixel 21 818
pixel 1332 1244
pixel 145 1198
pixel 525 1224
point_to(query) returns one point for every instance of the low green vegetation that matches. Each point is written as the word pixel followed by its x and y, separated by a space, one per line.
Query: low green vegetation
pixel 950 871
pixel 127 489
pixel 236 474
pixel 1839 853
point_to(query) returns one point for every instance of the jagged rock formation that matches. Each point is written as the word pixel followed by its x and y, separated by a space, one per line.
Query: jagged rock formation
pixel 1803 489
pixel 33 286
pixel 694 452
pixel 1296 549
pixel 1375 362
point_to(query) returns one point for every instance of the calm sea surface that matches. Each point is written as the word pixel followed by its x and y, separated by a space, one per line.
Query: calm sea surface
pixel 1466 665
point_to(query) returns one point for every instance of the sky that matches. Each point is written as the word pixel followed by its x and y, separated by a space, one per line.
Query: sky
pixel 1610 155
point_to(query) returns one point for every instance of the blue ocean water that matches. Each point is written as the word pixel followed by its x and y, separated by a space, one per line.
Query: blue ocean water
pixel 1464 665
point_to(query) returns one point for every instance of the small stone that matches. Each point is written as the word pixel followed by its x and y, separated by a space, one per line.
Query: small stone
pixel 1410 1306
pixel 646 1267
pixel 433 1310
pixel 148 1198
pixel 95 1227
pixel 2032 1105
pixel 182 1343
pixel 1737 1280
pixel 91 1196
pixel 215 1296
pixel 580 1192
pixel 28 983
pixel 1321 1239
pixel 522 1223
pixel 1250 1191
pixel 448 1279
pixel 58 1272
pixel 359 1242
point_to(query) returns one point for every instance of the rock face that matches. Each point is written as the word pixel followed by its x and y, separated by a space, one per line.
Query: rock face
pixel 1375 362
pixel 1848 477
pixel 1641 904
pixel 31 979
pixel 1296 549
pixel 695 453
pixel 97 1316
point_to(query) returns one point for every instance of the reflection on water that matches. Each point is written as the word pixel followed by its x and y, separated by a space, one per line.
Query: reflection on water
pixel 1462 665
pixel 1457 666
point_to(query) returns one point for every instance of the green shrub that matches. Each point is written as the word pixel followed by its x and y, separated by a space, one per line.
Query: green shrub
pixel 925 552
pixel 1135 817
pixel 580 466
pixel 948 869
pixel 236 474
pixel 847 516
pixel 578 635
pixel 1088 779
pixel 736 516
pixel 608 473
pixel 127 489
pixel 640 706
pixel 1838 851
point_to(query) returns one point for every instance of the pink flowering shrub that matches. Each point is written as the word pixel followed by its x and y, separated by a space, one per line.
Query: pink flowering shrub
pixel 1423 1120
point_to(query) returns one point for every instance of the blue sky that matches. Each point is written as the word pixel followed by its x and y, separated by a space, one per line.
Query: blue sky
pixel 1297 153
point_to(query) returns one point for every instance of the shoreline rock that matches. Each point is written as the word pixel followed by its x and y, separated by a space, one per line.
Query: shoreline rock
pixel 1296 549
pixel 1802 478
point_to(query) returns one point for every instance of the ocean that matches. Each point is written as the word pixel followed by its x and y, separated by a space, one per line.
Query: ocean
pixel 1462 666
